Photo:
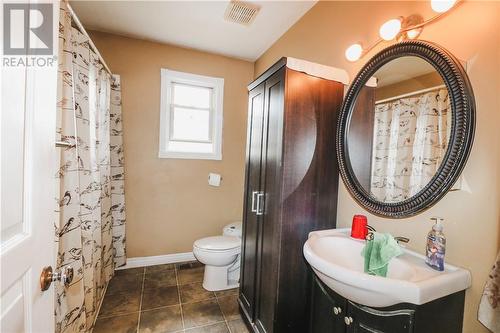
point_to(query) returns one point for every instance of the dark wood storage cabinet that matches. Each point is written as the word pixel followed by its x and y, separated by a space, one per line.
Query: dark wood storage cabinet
pixel 290 190
pixel 332 313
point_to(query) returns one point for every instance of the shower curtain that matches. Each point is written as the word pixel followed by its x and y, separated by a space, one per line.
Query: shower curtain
pixel 489 306
pixel 90 230
pixel 410 139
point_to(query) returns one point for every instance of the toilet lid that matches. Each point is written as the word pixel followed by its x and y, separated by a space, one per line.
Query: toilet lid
pixel 218 243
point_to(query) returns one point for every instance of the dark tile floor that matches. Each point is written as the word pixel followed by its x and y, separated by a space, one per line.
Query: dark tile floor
pixel 167 298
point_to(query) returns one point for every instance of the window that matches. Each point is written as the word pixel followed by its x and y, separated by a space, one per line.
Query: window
pixel 190 116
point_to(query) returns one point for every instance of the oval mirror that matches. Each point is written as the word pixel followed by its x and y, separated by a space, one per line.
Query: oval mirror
pixel 406 129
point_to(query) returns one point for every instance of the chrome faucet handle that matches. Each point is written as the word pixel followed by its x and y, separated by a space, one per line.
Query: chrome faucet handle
pixel 371 230
pixel 402 239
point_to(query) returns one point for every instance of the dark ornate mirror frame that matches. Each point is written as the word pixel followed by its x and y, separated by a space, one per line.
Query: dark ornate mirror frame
pixel 461 133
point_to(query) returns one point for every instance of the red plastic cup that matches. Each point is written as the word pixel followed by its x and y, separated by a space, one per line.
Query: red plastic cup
pixel 359 228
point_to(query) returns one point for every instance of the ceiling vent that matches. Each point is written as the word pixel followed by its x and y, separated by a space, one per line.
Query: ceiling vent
pixel 241 12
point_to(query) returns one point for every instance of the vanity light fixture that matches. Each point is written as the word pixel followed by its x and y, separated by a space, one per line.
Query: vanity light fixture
pixel 441 6
pixel 402 28
pixel 414 33
pixel 390 29
pixel 354 52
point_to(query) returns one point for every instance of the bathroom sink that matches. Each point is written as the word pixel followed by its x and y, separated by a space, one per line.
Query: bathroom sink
pixel 336 258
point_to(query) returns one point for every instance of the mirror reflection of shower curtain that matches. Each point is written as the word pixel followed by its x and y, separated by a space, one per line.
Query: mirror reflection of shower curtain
pixel 410 139
pixel 90 230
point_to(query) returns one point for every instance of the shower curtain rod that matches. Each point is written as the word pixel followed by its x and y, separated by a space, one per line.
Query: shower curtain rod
pixel 409 94
pixel 83 31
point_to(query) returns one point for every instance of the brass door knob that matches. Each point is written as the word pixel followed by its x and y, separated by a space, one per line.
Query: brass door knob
pixel 65 275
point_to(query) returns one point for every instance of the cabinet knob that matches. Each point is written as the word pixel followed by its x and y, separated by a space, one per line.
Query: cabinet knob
pixel 337 310
pixel 348 320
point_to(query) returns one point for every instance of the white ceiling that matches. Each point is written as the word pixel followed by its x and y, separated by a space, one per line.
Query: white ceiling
pixel 194 24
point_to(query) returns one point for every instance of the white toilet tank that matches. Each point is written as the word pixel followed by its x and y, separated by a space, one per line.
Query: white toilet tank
pixel 232 229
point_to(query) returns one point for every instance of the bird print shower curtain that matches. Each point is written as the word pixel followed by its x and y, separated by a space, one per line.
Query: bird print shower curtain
pixel 90 228
pixel 410 140
pixel 489 306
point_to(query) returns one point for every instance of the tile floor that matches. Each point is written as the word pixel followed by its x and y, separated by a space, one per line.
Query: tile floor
pixel 167 298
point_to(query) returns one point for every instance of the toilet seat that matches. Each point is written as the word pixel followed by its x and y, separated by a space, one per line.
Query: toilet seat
pixel 219 253
pixel 218 243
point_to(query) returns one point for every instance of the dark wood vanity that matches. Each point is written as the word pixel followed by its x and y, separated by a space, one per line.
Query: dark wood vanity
pixel 332 313
pixel 291 189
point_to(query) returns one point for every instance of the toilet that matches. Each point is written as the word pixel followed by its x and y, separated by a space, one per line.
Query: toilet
pixel 221 256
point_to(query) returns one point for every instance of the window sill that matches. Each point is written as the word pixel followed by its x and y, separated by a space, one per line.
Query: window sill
pixel 190 156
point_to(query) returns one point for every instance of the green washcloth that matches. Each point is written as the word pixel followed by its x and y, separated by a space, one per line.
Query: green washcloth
pixel 378 252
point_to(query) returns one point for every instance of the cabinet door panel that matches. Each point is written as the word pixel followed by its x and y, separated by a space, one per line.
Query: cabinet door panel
pixel 270 225
pixel 327 314
pixel 368 320
pixel 309 186
pixel 250 219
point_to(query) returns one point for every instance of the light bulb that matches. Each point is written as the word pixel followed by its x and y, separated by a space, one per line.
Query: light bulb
pixel 390 29
pixel 441 6
pixel 414 33
pixel 354 52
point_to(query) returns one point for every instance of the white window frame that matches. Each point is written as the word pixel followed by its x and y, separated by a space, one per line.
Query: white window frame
pixel 170 77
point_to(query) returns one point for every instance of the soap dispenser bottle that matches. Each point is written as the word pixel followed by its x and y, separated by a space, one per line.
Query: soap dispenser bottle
pixel 436 245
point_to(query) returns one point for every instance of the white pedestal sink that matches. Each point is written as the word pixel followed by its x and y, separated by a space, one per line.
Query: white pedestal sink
pixel 336 259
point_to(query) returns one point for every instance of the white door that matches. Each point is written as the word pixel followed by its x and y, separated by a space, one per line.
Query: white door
pixel 27 171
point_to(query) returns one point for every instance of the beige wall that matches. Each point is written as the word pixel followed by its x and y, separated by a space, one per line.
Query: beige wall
pixel 409 86
pixel 471 32
pixel 169 203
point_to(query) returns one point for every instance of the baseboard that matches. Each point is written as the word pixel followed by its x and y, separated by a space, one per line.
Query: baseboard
pixel 158 260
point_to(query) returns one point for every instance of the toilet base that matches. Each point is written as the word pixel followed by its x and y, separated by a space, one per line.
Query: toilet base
pixel 216 278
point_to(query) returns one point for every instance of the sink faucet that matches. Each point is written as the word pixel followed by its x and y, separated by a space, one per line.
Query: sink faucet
pixel 398 239
pixel 401 239
pixel 371 230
